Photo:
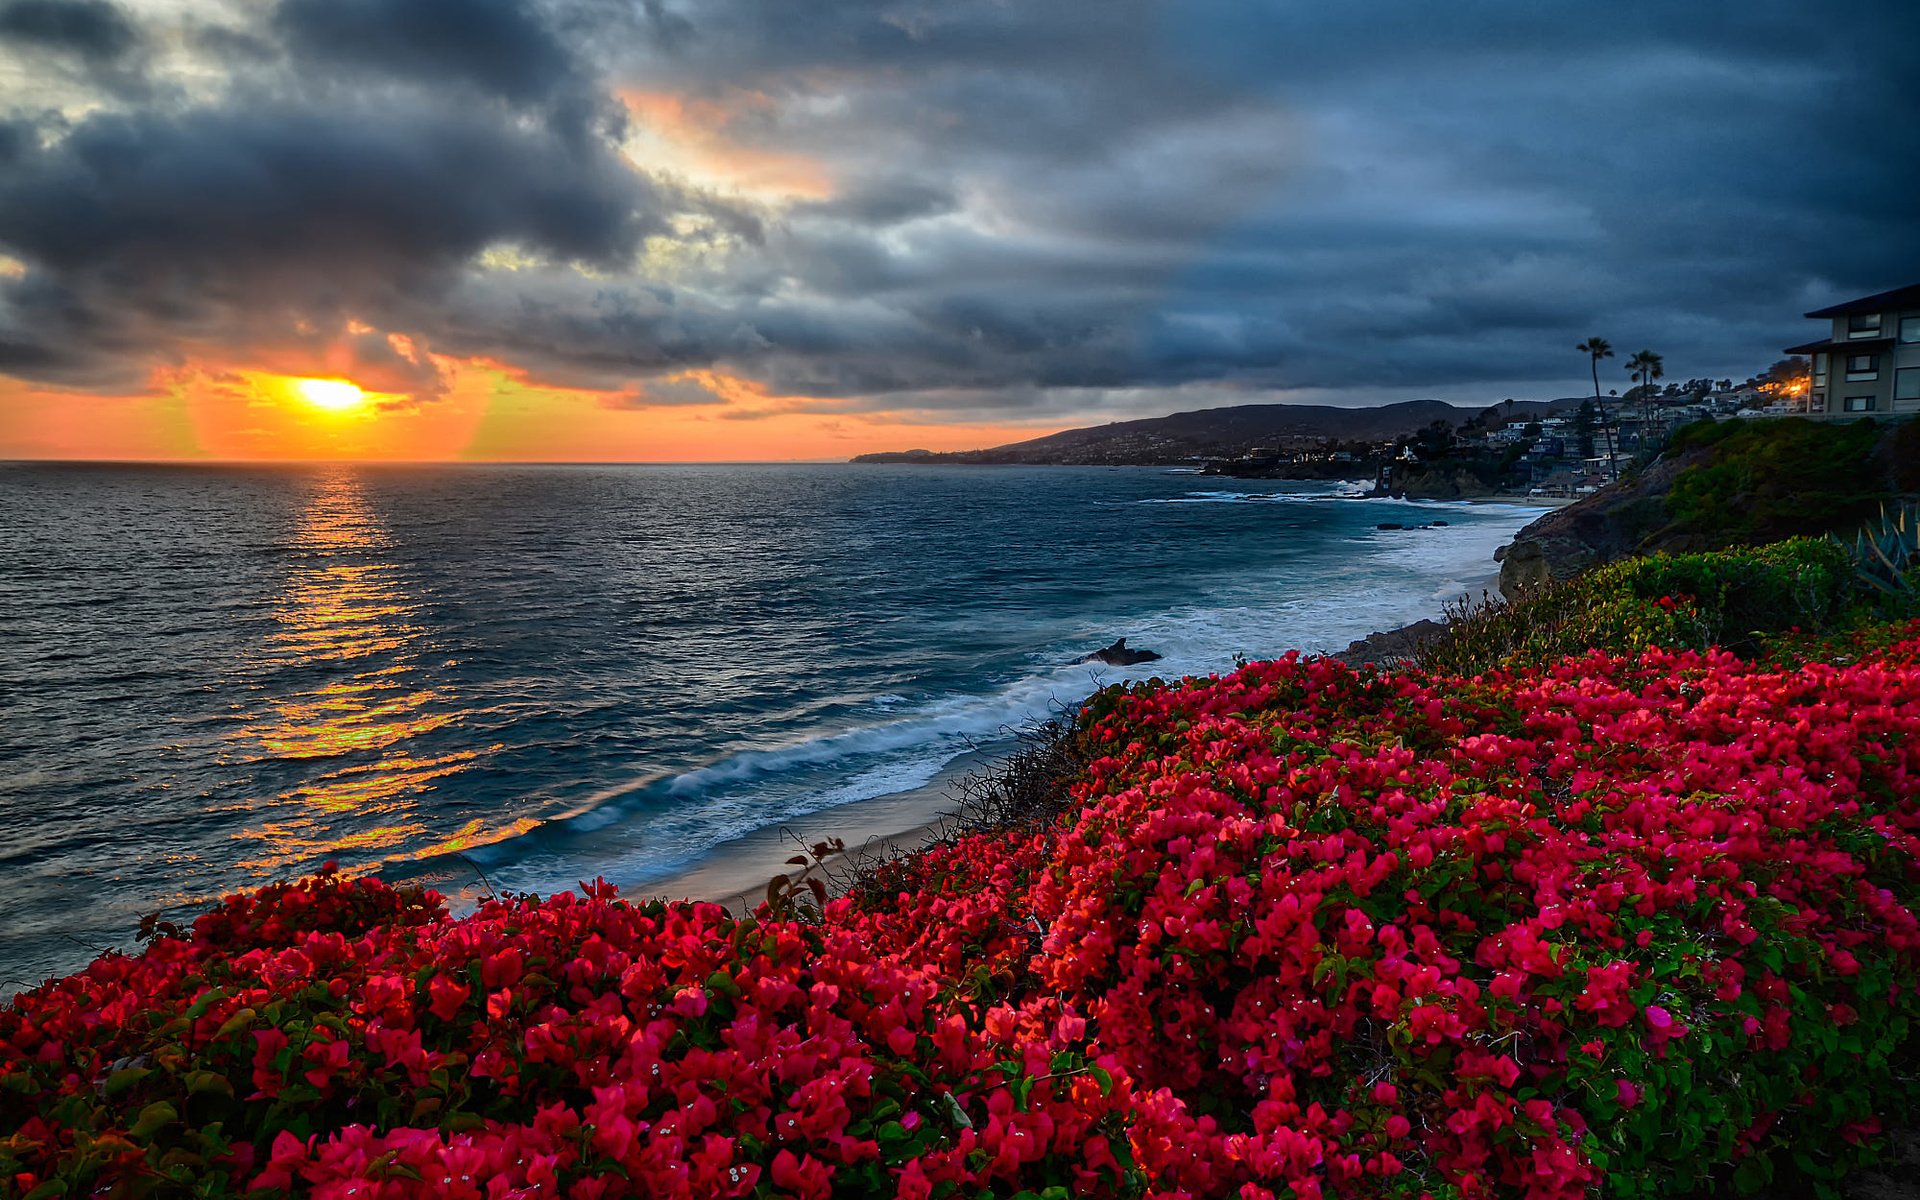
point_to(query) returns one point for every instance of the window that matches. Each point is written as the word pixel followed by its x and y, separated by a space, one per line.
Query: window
pixel 1906 383
pixel 1820 370
pixel 1862 367
pixel 1857 404
pixel 1817 402
pixel 1863 325
pixel 1910 329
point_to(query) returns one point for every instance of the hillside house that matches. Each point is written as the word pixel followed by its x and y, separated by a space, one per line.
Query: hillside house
pixel 1870 362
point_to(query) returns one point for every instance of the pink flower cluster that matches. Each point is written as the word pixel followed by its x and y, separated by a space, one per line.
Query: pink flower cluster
pixel 1336 924
pixel 578 1045
pixel 1308 932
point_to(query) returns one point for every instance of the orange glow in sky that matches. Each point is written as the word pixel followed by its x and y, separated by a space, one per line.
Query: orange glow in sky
pixel 260 416
pixel 488 411
pixel 332 395
pixel 692 137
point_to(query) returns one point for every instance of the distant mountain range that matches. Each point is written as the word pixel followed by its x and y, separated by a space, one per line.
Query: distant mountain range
pixel 1220 433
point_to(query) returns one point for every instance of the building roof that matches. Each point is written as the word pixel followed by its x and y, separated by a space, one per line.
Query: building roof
pixel 1828 344
pixel 1904 297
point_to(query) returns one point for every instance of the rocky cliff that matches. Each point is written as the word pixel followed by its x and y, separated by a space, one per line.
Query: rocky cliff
pixel 1734 483
pixel 1609 524
pixel 1444 481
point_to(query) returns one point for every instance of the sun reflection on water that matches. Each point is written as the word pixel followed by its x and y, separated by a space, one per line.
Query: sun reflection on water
pixel 352 702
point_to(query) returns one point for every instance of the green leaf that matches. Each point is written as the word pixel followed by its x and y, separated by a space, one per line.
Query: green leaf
pixel 153 1118
pixel 200 1006
pixel 120 1081
pixel 1753 1173
pixel 235 1023
pixel 208 1081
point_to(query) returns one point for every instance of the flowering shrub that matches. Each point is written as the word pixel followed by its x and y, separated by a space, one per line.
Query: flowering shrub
pixel 579 1046
pixel 1636 923
pixel 1737 599
pixel 1647 920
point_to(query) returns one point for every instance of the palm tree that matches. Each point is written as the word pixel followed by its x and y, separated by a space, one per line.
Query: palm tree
pixel 1597 348
pixel 1646 366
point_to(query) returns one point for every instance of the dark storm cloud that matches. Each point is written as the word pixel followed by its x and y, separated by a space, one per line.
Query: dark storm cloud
pixel 1111 199
pixel 883 201
pixel 148 195
pixel 96 30
pixel 500 46
pixel 154 225
pixel 1370 196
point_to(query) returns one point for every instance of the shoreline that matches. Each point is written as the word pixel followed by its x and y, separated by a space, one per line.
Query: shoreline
pixel 735 873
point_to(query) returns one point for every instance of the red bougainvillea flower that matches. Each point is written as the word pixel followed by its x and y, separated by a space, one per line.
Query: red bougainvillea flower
pixel 1304 931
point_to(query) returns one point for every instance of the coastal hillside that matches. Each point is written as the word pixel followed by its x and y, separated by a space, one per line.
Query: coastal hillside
pixel 1725 483
pixel 1217 433
pixel 1640 922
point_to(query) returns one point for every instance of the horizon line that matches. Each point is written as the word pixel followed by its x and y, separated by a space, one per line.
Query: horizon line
pixel 421 462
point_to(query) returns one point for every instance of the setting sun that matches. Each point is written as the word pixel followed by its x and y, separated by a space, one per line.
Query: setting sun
pixel 334 395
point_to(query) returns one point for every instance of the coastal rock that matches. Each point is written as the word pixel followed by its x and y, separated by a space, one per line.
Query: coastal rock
pixel 1440 482
pixel 1119 655
pixel 1612 523
pixel 1392 646
pixel 1523 567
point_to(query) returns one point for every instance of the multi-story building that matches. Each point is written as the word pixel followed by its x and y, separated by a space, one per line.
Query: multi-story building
pixel 1871 363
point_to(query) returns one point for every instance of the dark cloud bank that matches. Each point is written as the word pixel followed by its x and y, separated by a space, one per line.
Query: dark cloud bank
pixel 1032 207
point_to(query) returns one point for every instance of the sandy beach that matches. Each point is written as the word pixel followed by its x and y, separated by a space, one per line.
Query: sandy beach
pixel 737 872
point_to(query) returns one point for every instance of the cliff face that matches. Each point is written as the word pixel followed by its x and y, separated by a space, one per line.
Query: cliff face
pixel 1440 482
pixel 1735 483
pixel 1609 524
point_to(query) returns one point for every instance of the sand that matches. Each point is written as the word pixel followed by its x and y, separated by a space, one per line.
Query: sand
pixel 736 873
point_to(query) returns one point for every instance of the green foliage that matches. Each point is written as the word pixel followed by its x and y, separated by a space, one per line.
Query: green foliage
pixel 1885 555
pixel 1771 479
pixel 1702 433
pixel 1905 455
pixel 1731 598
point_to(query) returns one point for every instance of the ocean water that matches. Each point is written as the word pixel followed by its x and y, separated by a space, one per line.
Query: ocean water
pixel 215 677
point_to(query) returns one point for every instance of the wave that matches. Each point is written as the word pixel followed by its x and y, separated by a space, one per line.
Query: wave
pixel 645 830
pixel 1224 497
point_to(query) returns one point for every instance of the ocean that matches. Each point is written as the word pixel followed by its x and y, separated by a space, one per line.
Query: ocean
pixel 213 677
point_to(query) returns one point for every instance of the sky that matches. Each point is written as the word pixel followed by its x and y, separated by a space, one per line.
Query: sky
pixel 665 230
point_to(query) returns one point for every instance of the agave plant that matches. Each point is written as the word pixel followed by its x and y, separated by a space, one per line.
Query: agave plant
pixel 1885 550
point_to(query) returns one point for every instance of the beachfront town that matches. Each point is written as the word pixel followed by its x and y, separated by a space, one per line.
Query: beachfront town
pixel 1867 366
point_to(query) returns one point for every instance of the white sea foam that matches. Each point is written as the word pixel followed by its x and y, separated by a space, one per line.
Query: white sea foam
pixel 652 830
pixel 1223 497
